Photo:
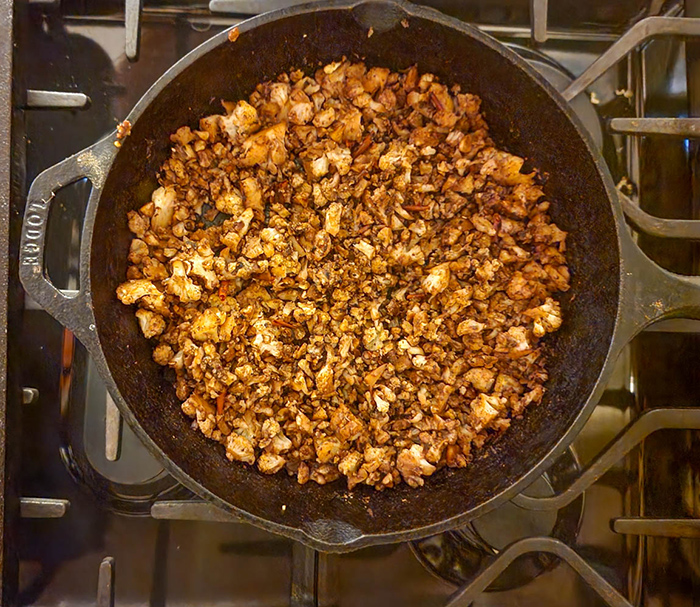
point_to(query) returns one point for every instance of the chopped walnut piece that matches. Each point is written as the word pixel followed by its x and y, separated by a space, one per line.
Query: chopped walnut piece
pixel 347 278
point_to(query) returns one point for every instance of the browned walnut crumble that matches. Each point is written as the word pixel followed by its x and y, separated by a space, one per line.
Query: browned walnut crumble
pixel 347 277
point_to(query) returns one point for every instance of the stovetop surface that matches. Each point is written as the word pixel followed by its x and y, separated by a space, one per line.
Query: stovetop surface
pixel 78 46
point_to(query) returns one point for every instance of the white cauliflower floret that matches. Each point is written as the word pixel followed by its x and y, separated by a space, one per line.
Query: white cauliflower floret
pixel 131 291
pixel 164 199
pixel 241 121
pixel 322 244
pixel 506 383
pixel 350 463
pixel 206 325
pixel 374 337
pixel 486 408
pixel 412 465
pixel 194 404
pixel 180 285
pixel 304 311
pixel 365 248
pixel 274 440
pixel 279 93
pixel 547 317
pixel 324 379
pixel 482 379
pixel 483 225
pixel 340 157
pixel 302 109
pixel 264 145
pixel 382 405
pixel 375 79
pixel 138 250
pixel 162 354
pixel 327 448
pixel 202 264
pixel 239 448
pixel 514 341
pixel 269 463
pixel 239 229
pixel 253 193
pixel 265 341
pixel 319 167
pixel 399 154
pixel 324 118
pixel 437 279
pixel 151 324
pixel 272 241
pixel 407 257
pixel 230 203
pixel 333 214
pixel 470 327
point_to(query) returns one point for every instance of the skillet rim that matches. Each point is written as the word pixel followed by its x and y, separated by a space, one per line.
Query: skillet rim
pixel 309 534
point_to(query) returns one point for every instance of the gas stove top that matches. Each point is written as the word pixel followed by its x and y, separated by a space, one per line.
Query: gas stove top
pixel 89 516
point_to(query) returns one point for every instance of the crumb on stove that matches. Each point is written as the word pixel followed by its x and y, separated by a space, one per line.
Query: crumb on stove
pixel 123 130
pixel 233 34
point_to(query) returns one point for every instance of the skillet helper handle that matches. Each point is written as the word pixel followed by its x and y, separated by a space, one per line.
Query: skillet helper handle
pixel 653 293
pixel 74 313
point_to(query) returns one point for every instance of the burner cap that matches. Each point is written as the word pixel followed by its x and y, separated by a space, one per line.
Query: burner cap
pixel 560 78
pixel 456 556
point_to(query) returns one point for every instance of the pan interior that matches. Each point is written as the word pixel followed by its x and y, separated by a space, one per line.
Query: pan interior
pixel 523 118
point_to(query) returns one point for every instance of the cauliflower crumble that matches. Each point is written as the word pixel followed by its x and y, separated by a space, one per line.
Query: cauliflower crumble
pixel 347 277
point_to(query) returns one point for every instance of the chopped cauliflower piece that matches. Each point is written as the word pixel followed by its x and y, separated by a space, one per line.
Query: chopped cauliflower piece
pixel 180 284
pixel 230 203
pixel 269 463
pixel 265 341
pixel 202 264
pixel 413 466
pixel 437 279
pixel 470 327
pixel 253 193
pixel 547 317
pixel 241 121
pixel 151 324
pixel 332 220
pixel 239 229
pixel 485 408
pixel 240 449
pixel 327 449
pixel 365 248
pixel 324 380
pixel 206 325
pixel 164 199
pixel 133 290
pixel 264 145
pixel 482 379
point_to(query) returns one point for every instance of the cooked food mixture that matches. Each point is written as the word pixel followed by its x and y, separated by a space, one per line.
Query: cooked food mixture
pixel 347 278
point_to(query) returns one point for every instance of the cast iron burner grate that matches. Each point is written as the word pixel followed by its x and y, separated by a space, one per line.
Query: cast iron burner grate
pixel 475 559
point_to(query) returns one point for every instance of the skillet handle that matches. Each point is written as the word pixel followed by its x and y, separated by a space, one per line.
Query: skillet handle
pixel 73 312
pixel 651 293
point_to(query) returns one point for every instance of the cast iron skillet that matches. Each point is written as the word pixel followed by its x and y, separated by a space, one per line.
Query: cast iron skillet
pixel 615 291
